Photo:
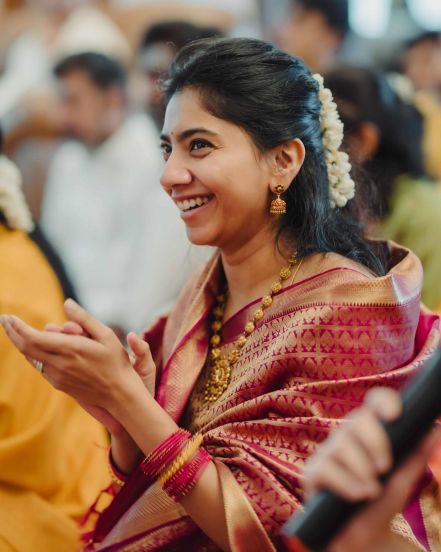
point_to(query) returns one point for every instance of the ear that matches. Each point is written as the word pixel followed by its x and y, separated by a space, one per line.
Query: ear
pixel 115 97
pixel 286 160
pixel 364 142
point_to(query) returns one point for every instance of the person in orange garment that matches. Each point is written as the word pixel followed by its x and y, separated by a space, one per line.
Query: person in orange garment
pixel 52 454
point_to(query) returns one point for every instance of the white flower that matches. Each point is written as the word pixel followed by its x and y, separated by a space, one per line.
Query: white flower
pixel 12 201
pixel 341 185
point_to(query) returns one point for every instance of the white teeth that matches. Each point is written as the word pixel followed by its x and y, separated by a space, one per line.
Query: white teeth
pixel 192 203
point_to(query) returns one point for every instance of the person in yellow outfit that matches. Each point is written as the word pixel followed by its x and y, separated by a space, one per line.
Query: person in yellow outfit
pixel 422 65
pixel 384 136
pixel 52 453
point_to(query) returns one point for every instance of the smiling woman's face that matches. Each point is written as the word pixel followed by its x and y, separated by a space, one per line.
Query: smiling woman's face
pixel 214 174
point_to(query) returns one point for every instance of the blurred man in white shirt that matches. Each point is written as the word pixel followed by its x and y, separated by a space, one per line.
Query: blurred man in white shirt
pixel 119 235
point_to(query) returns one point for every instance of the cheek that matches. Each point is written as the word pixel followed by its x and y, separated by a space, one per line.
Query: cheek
pixel 234 180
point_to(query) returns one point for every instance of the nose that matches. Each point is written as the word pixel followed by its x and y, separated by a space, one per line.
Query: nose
pixel 175 173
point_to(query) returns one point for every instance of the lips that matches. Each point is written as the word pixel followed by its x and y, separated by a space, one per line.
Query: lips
pixel 192 203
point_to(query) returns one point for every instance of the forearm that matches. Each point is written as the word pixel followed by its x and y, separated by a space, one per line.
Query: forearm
pixel 149 425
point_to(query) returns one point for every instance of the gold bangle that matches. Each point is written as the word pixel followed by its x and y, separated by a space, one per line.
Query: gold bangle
pixel 114 478
pixel 183 457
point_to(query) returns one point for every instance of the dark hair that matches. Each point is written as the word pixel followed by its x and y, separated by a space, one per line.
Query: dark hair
pixel 365 95
pixel 336 12
pixel 103 71
pixel 274 98
pixel 433 37
pixel 178 33
pixel 55 262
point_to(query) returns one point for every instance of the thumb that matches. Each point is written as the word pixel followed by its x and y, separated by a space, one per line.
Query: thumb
pixel 96 329
pixel 139 346
pixel 143 361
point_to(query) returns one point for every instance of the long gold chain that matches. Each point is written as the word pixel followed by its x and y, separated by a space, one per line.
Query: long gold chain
pixel 220 367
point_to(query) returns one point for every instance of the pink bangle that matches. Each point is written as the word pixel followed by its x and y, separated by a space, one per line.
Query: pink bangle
pixel 116 476
pixel 186 478
pixel 164 453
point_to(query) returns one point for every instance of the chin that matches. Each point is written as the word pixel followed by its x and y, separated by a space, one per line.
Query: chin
pixel 201 237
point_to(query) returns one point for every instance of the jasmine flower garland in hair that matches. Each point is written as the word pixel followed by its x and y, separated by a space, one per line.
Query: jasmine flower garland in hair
pixel 12 201
pixel 341 185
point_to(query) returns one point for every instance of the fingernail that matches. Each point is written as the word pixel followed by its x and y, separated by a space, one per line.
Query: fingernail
pixel 70 304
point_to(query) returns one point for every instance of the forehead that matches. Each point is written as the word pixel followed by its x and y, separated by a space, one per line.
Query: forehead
pixel 78 80
pixel 185 110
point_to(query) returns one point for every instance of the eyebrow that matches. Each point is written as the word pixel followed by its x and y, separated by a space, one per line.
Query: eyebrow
pixel 189 132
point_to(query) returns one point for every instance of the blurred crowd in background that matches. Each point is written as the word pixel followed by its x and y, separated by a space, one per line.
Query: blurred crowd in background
pixel 80 116
pixel 81 112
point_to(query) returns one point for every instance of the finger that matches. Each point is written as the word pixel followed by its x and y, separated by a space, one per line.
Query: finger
pixel 334 477
pixel 55 328
pixel 402 483
pixel 353 456
pixel 367 429
pixel 29 340
pixel 96 329
pixel 384 403
pixel 138 345
pixel 394 498
pixel 69 328
pixel 30 353
pixel 72 328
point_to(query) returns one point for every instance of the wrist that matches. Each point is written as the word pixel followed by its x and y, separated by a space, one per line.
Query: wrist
pixel 125 398
pixel 142 417
pixel 125 453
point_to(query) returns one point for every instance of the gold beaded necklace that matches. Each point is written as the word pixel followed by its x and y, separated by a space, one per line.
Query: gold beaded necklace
pixel 220 367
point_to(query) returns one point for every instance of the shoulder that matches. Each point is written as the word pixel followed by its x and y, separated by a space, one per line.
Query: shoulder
pixel 320 263
pixel 416 210
pixel 68 158
pixel 28 286
pixel 426 193
pixel 332 278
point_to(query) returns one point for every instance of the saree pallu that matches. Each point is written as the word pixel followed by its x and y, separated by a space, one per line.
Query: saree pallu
pixel 321 345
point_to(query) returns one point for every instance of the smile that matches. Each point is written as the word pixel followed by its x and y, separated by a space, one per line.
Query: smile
pixel 193 203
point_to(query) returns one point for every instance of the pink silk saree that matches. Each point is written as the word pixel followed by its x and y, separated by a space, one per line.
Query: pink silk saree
pixel 322 344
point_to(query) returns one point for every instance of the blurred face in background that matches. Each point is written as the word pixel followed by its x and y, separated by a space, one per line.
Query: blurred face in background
pixel 307 35
pixel 88 113
pixel 154 63
pixel 422 64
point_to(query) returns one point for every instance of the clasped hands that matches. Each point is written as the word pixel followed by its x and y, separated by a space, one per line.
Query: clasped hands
pixel 86 360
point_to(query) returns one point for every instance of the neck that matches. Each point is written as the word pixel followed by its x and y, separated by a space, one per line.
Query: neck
pixel 252 268
pixel 114 123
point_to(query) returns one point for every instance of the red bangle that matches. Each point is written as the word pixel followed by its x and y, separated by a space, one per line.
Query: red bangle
pixel 164 453
pixel 178 486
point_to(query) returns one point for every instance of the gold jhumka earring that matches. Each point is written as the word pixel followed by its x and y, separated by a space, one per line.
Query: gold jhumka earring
pixel 278 205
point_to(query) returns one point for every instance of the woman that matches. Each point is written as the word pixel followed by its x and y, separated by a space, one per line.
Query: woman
pixel 52 459
pixel 258 367
pixel 384 135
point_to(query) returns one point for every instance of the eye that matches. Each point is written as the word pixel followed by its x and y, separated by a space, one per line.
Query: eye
pixel 197 145
pixel 166 150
